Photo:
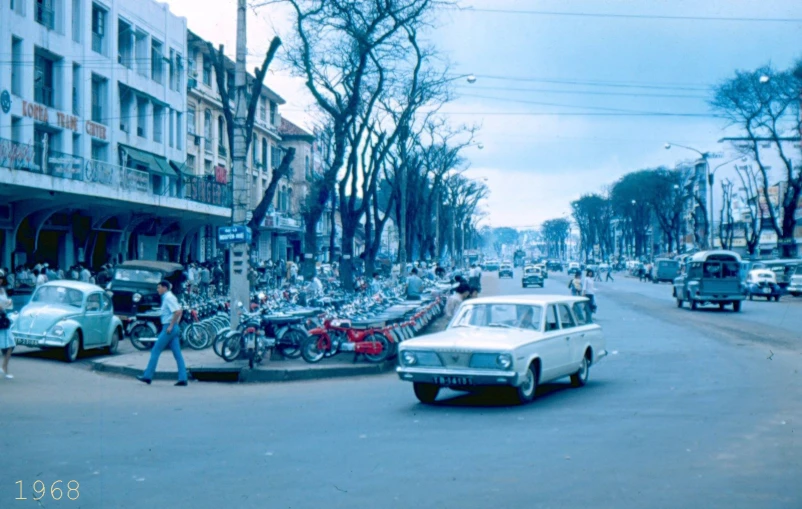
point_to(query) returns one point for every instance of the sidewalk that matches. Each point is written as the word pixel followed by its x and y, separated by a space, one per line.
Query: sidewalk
pixel 204 365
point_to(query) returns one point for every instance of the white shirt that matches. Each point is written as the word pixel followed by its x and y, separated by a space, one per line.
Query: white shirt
pixel 41 279
pixel 169 306
pixel 588 286
pixel 453 304
pixel 85 275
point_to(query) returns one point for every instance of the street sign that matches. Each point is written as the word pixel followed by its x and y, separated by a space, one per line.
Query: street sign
pixel 239 234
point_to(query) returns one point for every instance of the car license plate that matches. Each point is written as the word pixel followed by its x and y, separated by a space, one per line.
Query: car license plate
pixel 27 342
pixel 452 380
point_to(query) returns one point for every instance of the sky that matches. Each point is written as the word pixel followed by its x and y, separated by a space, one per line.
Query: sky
pixel 551 88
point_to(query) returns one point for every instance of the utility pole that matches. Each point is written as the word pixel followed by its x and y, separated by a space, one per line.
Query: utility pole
pixel 239 289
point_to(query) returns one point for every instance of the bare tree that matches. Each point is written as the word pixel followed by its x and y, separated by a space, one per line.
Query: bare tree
pixel 751 221
pixel 335 50
pixel 253 93
pixel 764 104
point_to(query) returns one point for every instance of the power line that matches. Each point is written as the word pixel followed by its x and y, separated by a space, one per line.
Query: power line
pixel 581 114
pixel 583 92
pixel 632 16
pixel 613 84
pixel 539 103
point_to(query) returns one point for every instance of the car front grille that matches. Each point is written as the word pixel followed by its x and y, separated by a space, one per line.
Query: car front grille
pixel 455 359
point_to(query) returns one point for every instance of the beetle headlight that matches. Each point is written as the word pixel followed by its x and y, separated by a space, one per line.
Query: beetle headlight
pixel 57 330
pixel 504 361
pixel 409 358
pixel 137 297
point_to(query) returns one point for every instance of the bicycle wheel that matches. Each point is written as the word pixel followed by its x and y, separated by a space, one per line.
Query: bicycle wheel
pixel 232 347
pixel 195 337
pixel 219 341
pixel 142 331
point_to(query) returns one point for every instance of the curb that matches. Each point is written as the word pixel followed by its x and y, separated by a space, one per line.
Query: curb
pixel 245 375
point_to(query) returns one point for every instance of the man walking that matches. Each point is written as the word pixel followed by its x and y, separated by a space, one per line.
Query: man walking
pixel 170 336
pixel 414 286
pixel 609 276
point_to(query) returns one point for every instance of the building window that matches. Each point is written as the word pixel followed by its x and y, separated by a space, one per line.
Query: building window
pixel 127 103
pixel 98 29
pixel 43 79
pixel 263 109
pixel 171 64
pixel 307 168
pixel 275 156
pixel 76 89
pixel 76 20
pixel 141 117
pixel 191 164
pixel 179 131
pixel 207 130
pixel 100 151
pixel 141 54
pixel 16 129
pixel 221 129
pixel 18 6
pixel 207 167
pixel 157 61
pixel 171 128
pixel 99 92
pixel 264 154
pixel 273 114
pixel 45 13
pixel 207 71
pixel 158 124
pixel 254 151
pixel 125 47
pixel 17 66
pixel 191 120
pixel 76 145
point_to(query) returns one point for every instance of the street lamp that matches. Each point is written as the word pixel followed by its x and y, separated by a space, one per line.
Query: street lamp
pixel 471 79
pixel 764 79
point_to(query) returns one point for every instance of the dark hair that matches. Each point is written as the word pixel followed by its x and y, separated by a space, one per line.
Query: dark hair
pixel 165 284
pixel 375 274
pixel 414 270
pixel 463 288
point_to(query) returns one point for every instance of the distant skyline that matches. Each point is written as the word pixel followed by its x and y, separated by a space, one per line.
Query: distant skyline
pixel 568 102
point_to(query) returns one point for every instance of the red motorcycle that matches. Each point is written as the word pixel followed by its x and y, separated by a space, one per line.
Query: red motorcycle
pixel 335 336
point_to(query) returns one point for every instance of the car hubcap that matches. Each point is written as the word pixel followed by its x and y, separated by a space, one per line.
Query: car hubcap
pixel 583 371
pixel 529 384
pixel 73 348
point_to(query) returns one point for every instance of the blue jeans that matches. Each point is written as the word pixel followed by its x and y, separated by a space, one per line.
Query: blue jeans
pixel 173 340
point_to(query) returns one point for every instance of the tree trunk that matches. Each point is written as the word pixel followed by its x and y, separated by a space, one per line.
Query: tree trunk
pixel 347 265
pixel 333 232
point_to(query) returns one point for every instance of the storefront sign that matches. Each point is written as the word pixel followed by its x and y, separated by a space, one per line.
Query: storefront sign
pixel 220 175
pixel 768 237
pixel 66 121
pixel 35 111
pixel 95 130
pixel 239 234
pixel 135 180
pixel 100 173
pixel 17 155
pixel 205 191
pixel 65 166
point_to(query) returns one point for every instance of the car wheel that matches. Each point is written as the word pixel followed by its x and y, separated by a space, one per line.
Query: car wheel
pixel 525 392
pixel 736 306
pixel 115 343
pixel 721 305
pixel 72 348
pixel 580 378
pixel 679 303
pixel 777 298
pixel 426 393
pixel 693 305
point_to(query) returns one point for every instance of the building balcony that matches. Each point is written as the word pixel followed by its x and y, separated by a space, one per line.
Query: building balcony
pixel 27 166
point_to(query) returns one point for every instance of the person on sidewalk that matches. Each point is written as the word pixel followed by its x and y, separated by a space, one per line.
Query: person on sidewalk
pixel 7 343
pixel 170 336
pixel 461 293
pixel 609 275
pixel 575 285
pixel 589 291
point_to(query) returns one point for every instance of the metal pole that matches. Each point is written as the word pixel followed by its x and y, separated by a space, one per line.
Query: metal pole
pixel 239 290
pixel 710 204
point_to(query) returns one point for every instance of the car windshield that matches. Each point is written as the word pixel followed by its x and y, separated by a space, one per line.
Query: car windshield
pixel 512 316
pixel 137 275
pixel 58 295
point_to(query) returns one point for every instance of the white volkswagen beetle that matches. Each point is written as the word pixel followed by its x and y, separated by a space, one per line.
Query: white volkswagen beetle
pixel 514 341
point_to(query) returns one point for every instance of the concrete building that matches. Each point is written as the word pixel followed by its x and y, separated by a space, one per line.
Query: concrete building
pixel 92 135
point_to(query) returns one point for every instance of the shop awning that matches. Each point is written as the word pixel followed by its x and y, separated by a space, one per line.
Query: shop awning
pixel 156 164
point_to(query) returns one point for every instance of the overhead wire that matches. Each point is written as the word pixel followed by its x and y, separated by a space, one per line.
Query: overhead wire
pixel 582 92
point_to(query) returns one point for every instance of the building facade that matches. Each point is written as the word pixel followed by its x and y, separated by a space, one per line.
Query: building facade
pixel 92 136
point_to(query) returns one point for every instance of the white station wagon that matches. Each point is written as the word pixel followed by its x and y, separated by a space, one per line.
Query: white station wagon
pixel 513 341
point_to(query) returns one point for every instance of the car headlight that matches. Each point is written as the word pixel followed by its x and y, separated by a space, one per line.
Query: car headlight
pixel 409 358
pixel 504 361
pixel 57 330
pixel 137 297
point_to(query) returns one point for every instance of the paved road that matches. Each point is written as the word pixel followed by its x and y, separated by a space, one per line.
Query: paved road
pixel 682 414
